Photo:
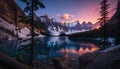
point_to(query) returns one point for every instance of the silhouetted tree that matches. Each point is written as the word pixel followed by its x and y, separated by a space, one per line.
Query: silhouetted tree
pixel 31 6
pixel 104 18
pixel 104 12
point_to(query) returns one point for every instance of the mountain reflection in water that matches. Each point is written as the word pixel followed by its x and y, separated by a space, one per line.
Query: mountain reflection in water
pixel 62 46
pixel 48 48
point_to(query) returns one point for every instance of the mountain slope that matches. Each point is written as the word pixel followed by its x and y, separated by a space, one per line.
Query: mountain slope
pixel 9 9
pixel 9 13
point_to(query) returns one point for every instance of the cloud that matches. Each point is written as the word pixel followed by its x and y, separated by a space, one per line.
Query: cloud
pixel 65 17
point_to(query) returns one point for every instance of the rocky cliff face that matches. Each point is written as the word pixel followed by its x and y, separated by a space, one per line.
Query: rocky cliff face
pixel 10 14
pixel 9 10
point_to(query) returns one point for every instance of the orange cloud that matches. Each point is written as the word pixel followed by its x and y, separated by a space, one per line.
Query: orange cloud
pixel 65 16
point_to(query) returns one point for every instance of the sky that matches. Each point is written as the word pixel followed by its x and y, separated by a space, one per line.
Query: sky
pixel 72 10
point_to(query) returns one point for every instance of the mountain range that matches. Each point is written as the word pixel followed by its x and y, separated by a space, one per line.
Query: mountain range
pixel 81 26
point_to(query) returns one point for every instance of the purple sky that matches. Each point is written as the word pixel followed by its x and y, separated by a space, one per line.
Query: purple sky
pixel 72 10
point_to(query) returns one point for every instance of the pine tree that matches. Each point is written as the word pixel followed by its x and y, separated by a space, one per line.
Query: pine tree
pixel 104 12
pixel 31 6
pixel 104 18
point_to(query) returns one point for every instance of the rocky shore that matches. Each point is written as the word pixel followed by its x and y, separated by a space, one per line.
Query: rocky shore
pixel 106 59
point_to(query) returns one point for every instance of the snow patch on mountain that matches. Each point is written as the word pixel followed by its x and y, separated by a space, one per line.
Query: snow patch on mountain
pixel 12 28
pixel 71 24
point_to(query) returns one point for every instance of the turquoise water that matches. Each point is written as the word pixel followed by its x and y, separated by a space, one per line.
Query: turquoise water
pixel 47 48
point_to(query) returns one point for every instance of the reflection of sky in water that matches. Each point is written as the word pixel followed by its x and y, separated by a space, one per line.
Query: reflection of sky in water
pixel 62 46
pixel 50 47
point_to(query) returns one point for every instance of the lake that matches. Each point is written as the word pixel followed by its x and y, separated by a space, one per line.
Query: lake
pixel 47 48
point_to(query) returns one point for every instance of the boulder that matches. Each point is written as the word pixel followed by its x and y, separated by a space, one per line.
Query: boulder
pixel 101 60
